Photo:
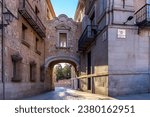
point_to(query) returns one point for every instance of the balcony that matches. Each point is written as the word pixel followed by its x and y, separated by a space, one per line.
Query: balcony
pixel 143 16
pixel 87 37
pixel 26 10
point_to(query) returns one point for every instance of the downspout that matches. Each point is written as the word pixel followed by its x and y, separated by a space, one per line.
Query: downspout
pixel 112 12
pixel 2 51
pixel 109 5
pixel 123 3
pixel 149 60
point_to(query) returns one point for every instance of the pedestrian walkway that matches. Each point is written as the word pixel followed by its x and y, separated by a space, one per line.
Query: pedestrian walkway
pixel 62 93
pixel 145 96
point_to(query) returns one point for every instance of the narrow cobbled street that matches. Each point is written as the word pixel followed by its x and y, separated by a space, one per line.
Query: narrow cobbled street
pixel 62 93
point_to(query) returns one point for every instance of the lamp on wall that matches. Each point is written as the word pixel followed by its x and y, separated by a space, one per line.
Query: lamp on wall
pixel 8 17
pixel 129 19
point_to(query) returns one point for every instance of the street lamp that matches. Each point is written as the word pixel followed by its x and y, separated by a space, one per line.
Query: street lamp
pixel 7 18
pixel 129 19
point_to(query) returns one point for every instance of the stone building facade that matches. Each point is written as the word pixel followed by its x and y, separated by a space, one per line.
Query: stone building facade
pixel 24 48
pixel 61 44
pixel 114 46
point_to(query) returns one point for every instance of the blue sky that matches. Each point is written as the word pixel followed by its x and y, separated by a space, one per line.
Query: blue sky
pixel 67 7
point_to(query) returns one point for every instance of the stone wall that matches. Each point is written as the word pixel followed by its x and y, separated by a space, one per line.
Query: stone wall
pixel 129 61
pixel 128 84
pixel 14 44
pixel 63 83
pixel 60 24
pixel 54 52
pixel 129 56
pixel 124 61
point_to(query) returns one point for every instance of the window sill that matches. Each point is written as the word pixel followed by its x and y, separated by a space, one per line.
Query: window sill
pixel 14 79
pixel 32 80
pixel 57 47
pixel 42 79
pixel 25 43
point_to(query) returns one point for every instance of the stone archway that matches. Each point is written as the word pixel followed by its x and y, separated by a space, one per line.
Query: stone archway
pixel 61 45
pixel 52 61
pixel 73 60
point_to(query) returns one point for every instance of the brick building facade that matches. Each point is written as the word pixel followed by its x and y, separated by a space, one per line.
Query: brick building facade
pixel 24 47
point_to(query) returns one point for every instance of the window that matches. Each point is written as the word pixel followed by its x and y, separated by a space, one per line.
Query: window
pixel 24 39
pixel 37 42
pixel 32 71
pixel 63 40
pixel 16 60
pixel 24 28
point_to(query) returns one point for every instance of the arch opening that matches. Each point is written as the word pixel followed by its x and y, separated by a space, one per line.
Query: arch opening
pixel 51 74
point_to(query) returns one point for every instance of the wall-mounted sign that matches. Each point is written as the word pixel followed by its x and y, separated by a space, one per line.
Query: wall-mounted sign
pixel 122 33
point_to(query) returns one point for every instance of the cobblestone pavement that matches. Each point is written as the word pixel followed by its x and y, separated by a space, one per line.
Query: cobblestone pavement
pixel 62 93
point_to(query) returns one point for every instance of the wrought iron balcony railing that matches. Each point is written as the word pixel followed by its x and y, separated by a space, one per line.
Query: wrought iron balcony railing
pixel 87 37
pixel 143 16
pixel 26 10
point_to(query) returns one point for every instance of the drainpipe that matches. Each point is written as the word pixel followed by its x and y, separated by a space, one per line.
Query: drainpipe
pixel 149 61
pixel 2 50
pixel 123 3
pixel 112 20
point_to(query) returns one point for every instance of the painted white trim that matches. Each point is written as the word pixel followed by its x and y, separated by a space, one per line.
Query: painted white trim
pixel 58 37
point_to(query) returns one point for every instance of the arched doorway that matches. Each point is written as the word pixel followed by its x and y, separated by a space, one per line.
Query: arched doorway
pixel 52 61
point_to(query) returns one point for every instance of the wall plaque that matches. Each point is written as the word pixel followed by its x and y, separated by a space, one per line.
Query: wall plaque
pixel 122 33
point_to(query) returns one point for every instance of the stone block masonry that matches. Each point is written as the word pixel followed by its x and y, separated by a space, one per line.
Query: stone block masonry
pixel 24 46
